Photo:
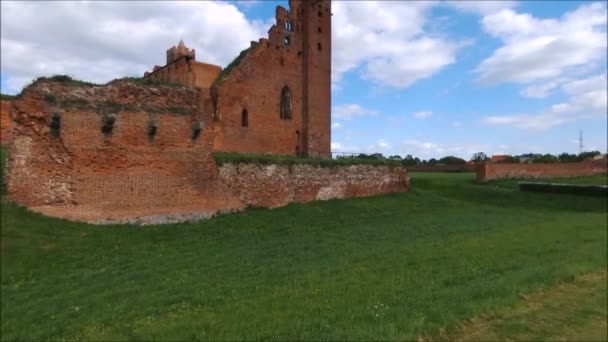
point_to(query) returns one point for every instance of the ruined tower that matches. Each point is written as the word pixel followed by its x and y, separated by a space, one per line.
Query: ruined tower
pixel 275 96
pixel 315 20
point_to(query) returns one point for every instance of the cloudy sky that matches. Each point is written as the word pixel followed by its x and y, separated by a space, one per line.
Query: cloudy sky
pixel 424 78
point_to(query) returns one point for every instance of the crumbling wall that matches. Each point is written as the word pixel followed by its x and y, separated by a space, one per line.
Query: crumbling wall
pixel 130 152
pixel 490 171
pixel 5 121
pixel 277 185
pixel 80 172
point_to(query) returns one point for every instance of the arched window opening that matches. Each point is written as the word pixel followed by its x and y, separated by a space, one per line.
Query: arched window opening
pixel 288 25
pixel 245 118
pixel 319 46
pixel 286 40
pixel 286 109
pixel 319 29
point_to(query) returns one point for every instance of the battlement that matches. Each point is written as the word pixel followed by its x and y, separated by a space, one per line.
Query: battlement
pixel 179 51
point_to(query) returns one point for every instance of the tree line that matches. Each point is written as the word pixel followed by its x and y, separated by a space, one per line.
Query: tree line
pixel 478 157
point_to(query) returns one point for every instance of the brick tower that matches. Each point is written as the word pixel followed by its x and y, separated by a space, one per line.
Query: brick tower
pixel 314 16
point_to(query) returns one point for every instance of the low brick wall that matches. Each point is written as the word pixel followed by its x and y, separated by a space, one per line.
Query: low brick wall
pixel 277 185
pixel 490 171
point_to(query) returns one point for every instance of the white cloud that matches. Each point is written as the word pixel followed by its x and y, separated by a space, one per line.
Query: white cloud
pixel 98 41
pixel 422 115
pixel 457 124
pixel 336 125
pixel 540 90
pixel 349 111
pixel 587 98
pixel 388 41
pixel 537 49
pixel 482 7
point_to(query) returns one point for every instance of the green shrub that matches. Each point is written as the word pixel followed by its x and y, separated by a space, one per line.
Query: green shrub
pixel 575 189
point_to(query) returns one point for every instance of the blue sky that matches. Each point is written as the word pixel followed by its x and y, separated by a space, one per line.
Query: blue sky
pixel 424 78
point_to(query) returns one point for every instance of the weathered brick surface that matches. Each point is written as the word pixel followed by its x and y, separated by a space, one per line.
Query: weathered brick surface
pixel 87 175
pixel 296 54
pixel 79 172
pixel 277 185
pixel 5 122
pixel 490 171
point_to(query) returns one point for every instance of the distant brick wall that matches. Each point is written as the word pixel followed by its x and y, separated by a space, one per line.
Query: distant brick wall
pixel 490 171
pixel 5 122
pixel 277 185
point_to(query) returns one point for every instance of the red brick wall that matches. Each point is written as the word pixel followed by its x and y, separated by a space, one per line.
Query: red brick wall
pixel 187 72
pixel 5 122
pixel 490 171
pixel 277 185
pixel 86 175
pixel 255 85
pixel 83 174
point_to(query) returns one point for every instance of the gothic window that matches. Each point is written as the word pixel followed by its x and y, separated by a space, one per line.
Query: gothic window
pixel 286 40
pixel 245 118
pixel 285 103
pixel 288 25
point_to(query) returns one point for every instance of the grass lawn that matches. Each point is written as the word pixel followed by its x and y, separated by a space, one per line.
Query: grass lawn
pixel 401 266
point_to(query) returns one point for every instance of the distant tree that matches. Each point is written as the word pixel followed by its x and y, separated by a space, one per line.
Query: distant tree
pixel 432 161
pixel 545 158
pixel 451 160
pixel 417 161
pixel 409 160
pixel 395 158
pixel 377 156
pixel 479 157
pixel 588 155
pixel 568 158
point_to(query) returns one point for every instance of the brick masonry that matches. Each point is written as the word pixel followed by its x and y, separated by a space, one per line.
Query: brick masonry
pixel 5 122
pixel 296 55
pixel 61 162
pixel 490 171
pixel 277 185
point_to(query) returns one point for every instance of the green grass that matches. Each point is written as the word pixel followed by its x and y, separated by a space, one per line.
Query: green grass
pixel 399 266
pixel 575 310
pixel 266 159
pixel 6 97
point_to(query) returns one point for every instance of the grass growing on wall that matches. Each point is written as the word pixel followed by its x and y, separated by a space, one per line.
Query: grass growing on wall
pixel 267 159
pixel 6 97
pixel 392 267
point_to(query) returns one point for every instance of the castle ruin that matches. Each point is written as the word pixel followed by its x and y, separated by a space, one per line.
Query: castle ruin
pixel 137 150
pixel 275 97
